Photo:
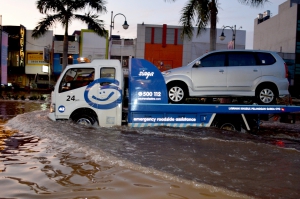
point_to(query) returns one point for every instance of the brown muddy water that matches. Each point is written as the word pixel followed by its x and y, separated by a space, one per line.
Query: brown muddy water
pixel 44 159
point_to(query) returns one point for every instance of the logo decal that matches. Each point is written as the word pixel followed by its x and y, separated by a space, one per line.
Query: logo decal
pixel 61 108
pixel 146 74
pixel 109 95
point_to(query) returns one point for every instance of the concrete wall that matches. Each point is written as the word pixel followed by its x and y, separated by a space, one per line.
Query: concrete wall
pixel 277 33
pixel 197 45
pixel 92 46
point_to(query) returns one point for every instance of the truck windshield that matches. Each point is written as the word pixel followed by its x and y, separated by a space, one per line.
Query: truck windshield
pixel 76 78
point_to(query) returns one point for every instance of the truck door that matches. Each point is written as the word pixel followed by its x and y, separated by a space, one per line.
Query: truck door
pixel 71 90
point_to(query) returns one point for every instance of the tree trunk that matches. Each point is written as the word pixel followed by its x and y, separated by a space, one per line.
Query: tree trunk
pixel 213 25
pixel 65 48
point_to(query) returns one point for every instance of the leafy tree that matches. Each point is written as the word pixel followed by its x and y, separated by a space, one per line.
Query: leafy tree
pixel 203 12
pixel 64 12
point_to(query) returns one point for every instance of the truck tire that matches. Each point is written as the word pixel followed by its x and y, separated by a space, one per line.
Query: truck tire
pixel 266 95
pixel 177 93
pixel 84 120
pixel 229 126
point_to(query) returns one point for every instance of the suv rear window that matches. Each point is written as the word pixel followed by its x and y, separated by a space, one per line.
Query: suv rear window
pixel 241 59
pixel 265 59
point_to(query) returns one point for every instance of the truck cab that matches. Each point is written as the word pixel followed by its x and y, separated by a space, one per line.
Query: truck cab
pixel 89 93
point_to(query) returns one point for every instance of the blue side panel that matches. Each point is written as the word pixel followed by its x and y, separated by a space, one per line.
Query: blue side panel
pixel 146 83
pixel 57 67
pixel 148 103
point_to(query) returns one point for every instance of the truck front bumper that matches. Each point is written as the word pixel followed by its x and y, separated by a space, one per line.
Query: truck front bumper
pixel 52 116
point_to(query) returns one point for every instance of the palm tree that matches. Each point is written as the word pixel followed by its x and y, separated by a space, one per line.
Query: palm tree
pixel 63 11
pixel 203 12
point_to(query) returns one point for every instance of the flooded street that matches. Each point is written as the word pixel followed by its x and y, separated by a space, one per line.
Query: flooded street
pixel 42 158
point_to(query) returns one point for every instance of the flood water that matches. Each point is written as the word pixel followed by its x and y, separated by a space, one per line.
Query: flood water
pixel 42 158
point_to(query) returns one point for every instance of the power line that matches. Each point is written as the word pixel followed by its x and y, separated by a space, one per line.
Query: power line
pixel 37 45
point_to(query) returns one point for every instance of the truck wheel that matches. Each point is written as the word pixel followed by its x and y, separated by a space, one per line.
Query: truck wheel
pixel 266 95
pixel 84 120
pixel 229 126
pixel 177 93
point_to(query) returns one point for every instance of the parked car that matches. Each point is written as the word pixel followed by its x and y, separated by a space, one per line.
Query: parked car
pixel 230 73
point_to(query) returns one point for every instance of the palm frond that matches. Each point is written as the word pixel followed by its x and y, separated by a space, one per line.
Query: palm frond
pixel 195 12
pixel 93 22
pixel 253 3
pixel 44 25
pixel 44 6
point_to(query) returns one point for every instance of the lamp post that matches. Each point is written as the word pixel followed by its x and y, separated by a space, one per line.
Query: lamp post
pixel 112 24
pixel 233 28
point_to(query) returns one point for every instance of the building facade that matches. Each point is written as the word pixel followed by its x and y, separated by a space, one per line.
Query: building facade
pixel 281 33
pixel 57 50
pixel 38 60
pixel 163 46
pixel 16 54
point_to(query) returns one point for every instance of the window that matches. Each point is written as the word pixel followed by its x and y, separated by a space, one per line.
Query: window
pixel 76 78
pixel 70 60
pixel 213 60
pixel 13 58
pixel 265 59
pixel 241 59
pixel 107 72
pixel 43 77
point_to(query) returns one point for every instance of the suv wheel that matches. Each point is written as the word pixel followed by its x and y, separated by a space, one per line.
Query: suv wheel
pixel 266 95
pixel 176 93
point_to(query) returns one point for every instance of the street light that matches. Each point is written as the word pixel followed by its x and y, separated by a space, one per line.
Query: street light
pixel 112 24
pixel 233 28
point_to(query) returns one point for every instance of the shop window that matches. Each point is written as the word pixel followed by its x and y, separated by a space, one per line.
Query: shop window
pixel 13 58
pixel 70 60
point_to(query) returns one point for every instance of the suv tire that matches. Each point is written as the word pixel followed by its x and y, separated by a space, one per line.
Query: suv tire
pixel 266 95
pixel 177 93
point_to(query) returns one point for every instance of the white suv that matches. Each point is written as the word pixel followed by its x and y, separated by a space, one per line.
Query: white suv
pixel 230 73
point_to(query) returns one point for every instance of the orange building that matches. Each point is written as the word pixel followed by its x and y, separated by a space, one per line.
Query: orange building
pixel 163 46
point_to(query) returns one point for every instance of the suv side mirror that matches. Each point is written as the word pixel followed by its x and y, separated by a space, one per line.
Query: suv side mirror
pixel 197 64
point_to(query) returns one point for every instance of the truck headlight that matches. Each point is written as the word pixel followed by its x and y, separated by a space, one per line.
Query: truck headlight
pixel 165 73
pixel 52 108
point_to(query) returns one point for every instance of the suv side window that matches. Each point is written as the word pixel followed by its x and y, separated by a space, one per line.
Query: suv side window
pixel 213 60
pixel 265 59
pixel 241 59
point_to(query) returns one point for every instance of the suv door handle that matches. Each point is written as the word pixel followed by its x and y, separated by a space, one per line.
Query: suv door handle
pixel 255 70
pixel 221 71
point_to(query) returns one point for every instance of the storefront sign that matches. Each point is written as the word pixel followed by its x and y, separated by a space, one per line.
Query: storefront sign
pixel 35 58
pixel 22 46
pixel 73 47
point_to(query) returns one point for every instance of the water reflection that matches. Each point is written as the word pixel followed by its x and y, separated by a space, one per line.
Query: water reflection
pixel 198 157
pixel 11 108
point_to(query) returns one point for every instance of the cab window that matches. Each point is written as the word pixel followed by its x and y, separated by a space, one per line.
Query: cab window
pixel 107 72
pixel 76 78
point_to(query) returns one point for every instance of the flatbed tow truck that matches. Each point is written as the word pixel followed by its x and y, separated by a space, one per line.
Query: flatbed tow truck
pixel 108 102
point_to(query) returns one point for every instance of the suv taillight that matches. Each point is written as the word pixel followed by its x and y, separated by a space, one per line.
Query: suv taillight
pixel 286 70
